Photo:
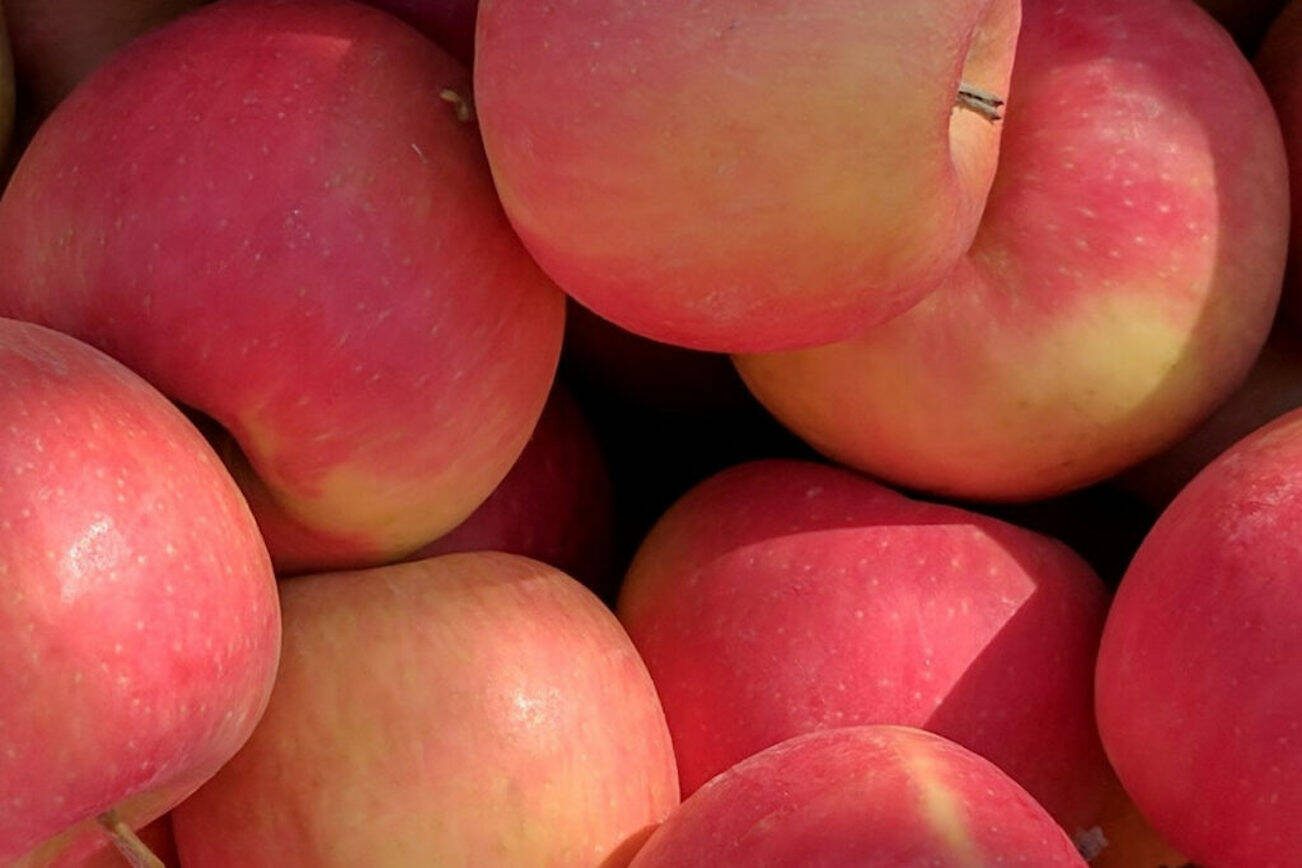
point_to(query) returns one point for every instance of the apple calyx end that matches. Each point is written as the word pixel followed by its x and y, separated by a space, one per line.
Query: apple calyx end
pixel 127 842
pixel 982 102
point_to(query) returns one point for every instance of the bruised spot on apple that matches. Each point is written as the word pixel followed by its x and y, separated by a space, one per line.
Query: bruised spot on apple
pixel 734 176
pixel 465 709
pixel 869 796
pixel 1123 279
pixel 1199 681
pixel 139 622
pixel 780 597
pixel 268 211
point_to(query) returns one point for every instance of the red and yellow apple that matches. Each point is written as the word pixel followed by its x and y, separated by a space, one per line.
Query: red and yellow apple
pixel 268 211
pixel 450 23
pixel 1123 279
pixel 781 597
pixel 1199 683
pixel 734 176
pixel 139 625
pixel 468 709
pixel 554 506
pixel 867 796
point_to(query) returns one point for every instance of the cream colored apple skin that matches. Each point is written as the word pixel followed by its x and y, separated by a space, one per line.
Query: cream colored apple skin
pixel 468 709
pixel 302 242
pixel 740 176
pixel 1122 282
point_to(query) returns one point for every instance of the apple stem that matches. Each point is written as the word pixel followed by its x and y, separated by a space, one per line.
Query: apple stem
pixel 128 842
pixel 983 102
pixel 465 111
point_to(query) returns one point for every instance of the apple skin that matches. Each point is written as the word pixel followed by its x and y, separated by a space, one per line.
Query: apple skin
pixel 1273 387
pixel 1280 68
pixel 780 597
pixel 157 836
pixel 450 23
pixel 1199 691
pixel 871 796
pixel 267 210
pixel 139 624
pixel 1123 280
pixel 555 505
pixel 735 176
pixel 57 44
pixel 463 709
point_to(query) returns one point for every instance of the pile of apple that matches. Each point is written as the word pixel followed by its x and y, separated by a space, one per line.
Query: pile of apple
pixel 308 557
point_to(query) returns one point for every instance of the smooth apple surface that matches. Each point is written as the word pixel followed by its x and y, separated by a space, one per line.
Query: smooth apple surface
pixel 1199 679
pixel 139 625
pixel 555 505
pixel 58 44
pixel 869 796
pixel 1279 63
pixel 468 709
pixel 739 176
pixel 1124 277
pixel 1273 387
pixel 450 23
pixel 780 597
pixel 268 211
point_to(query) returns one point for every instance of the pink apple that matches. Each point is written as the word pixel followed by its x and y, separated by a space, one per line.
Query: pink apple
pixel 139 626
pixel 781 597
pixel 267 210
pixel 467 709
pixel 1273 387
pixel 866 796
pixel 733 176
pixel 1123 279
pixel 554 506
pixel 1200 670
pixel 1280 65
pixel 450 23
pixel 57 44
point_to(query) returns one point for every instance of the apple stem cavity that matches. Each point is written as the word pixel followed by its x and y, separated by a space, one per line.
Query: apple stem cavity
pixel 128 842
pixel 465 111
pixel 983 102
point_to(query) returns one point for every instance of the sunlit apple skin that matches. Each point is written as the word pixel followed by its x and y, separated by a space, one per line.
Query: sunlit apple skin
pixel 268 212
pixel 780 597
pixel 1199 684
pixel 554 506
pixel 1279 62
pixel 1123 280
pixel 469 709
pixel 139 625
pixel 450 23
pixel 869 796
pixel 57 44
pixel 1273 387
pixel 735 176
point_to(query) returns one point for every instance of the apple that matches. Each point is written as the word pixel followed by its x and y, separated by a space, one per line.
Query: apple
pixel 554 506
pixel 732 176
pixel 450 23
pixel 464 709
pixel 870 796
pixel 139 625
pixel 1199 683
pixel 780 597
pixel 1124 277
pixel 1273 387
pixel 1281 71
pixel 1128 841
pixel 57 44
pixel 268 211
